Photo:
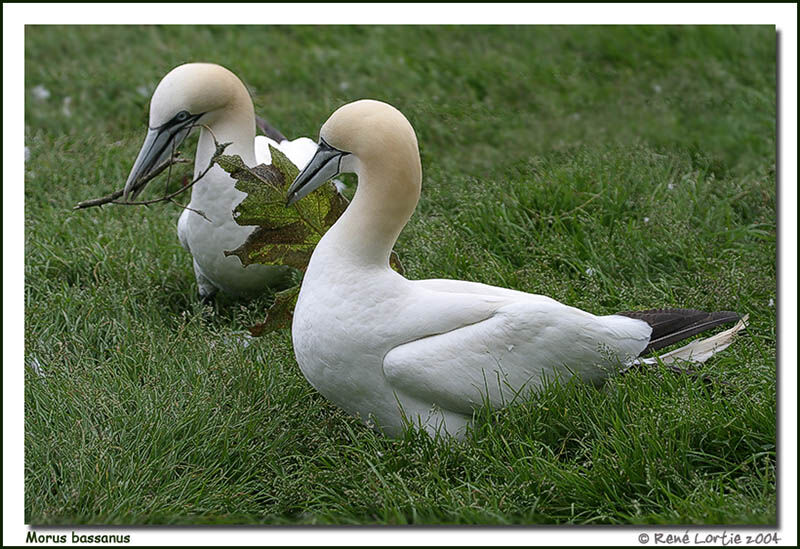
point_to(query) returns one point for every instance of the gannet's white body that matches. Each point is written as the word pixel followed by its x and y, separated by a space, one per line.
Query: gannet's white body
pixel 384 347
pixel 213 98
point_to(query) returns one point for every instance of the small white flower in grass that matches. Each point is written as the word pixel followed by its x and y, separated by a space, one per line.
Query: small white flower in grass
pixel 239 339
pixel 65 106
pixel 656 88
pixel 670 186
pixel 36 367
pixel 344 85
pixel 40 92
pixel 589 271
pixel 27 154
pixel 771 302
pixel 143 91
pixel 646 220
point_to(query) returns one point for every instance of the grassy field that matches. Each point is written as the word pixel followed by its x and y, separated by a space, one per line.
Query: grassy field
pixel 611 168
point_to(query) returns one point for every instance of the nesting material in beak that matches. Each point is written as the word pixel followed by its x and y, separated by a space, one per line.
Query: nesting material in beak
pixel 159 145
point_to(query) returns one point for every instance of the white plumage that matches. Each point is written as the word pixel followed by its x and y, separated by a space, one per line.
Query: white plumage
pixel 213 99
pixel 384 347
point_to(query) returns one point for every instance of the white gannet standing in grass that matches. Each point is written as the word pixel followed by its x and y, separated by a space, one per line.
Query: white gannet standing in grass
pixel 212 98
pixel 384 347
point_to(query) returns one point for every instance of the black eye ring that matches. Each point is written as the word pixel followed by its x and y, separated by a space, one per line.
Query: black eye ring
pixel 181 116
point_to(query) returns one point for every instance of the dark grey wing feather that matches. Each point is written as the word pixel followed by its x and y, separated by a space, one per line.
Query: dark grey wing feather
pixel 268 130
pixel 673 325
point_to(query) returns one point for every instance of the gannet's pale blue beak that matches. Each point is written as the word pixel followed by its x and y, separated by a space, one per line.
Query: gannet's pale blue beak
pixel 159 145
pixel 324 165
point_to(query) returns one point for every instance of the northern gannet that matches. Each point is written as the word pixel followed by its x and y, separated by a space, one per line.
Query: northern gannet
pixel 212 98
pixel 387 348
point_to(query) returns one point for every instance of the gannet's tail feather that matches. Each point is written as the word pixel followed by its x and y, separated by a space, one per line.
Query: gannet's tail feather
pixel 674 325
pixel 269 131
pixel 700 350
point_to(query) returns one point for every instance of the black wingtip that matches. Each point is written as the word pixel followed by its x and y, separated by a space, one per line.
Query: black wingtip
pixel 673 325
pixel 268 130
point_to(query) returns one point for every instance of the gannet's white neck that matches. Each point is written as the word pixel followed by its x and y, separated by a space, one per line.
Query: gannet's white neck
pixel 384 154
pixel 385 199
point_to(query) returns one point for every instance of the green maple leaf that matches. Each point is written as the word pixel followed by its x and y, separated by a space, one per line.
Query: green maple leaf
pixel 283 235
pixel 279 315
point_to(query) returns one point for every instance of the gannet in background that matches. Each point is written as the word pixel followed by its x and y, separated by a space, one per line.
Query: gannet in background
pixel 212 98
pixel 383 347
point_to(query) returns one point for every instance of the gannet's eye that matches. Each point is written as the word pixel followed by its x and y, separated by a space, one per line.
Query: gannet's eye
pixel 181 116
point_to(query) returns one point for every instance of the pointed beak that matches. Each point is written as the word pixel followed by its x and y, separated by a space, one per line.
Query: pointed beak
pixel 324 165
pixel 159 145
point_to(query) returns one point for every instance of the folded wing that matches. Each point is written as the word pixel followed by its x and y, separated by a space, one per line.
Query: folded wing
pixel 512 352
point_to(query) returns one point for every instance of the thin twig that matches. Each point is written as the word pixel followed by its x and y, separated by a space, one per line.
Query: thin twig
pixel 170 196
pixel 198 212
pixel 112 198
pixel 220 148
pixel 116 194
pixel 169 170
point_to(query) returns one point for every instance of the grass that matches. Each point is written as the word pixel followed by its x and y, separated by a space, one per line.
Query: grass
pixel 611 168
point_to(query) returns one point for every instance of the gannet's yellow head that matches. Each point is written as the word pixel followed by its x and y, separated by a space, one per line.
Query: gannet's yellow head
pixel 190 94
pixel 359 134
